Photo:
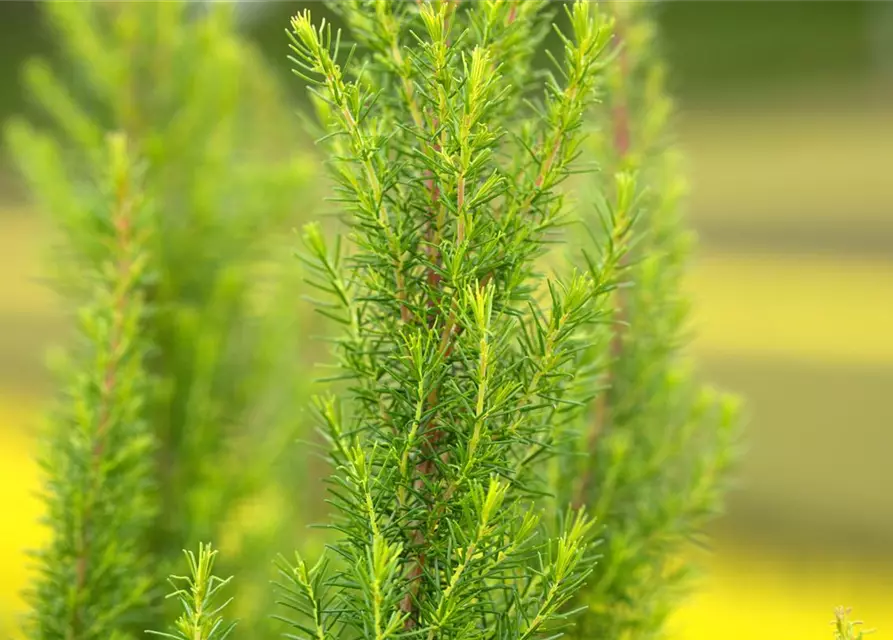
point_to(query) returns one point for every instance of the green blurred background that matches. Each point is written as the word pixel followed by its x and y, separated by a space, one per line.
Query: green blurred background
pixel 786 116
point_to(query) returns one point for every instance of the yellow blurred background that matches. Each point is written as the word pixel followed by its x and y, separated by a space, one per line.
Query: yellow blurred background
pixel 787 122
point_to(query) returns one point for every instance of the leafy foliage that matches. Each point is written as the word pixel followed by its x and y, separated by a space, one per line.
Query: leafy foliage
pixel 201 619
pixel 101 493
pixel 657 445
pixel 846 629
pixel 201 111
pixel 516 455
pixel 454 362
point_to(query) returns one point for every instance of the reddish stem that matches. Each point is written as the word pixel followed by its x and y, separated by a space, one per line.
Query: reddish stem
pixel 621 130
pixel 123 239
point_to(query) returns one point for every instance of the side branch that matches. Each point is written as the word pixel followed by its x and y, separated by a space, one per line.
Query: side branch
pixel 621 139
pixel 102 447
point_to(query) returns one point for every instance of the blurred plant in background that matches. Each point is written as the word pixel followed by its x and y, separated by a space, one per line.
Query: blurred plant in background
pixel 846 629
pixel 657 444
pixel 100 492
pixel 213 353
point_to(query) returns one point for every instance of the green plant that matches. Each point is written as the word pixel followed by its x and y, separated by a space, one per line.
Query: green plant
pixel 846 629
pixel 656 444
pixel 457 359
pixel 101 494
pixel 516 455
pixel 201 618
pixel 186 365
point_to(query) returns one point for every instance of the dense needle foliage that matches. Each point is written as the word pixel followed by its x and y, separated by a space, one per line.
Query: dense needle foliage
pixel 101 494
pixel 456 361
pixel 179 376
pixel 515 454
pixel 657 443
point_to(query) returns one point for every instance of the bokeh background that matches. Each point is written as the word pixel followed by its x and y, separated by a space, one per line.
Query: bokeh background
pixel 786 117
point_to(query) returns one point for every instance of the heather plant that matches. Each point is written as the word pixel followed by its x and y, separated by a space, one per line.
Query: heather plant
pixel 454 364
pixel 180 366
pixel 518 445
pixel 846 628
pixel 656 444
pixel 199 597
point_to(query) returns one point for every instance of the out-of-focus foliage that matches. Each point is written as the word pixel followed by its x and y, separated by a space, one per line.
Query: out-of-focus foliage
pixel 96 576
pixel 657 445
pixel 216 147
pixel 845 628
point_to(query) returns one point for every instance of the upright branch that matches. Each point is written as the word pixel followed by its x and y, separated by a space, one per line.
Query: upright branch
pixel 617 161
pixel 199 597
pixel 203 112
pixel 655 448
pixel 455 360
pixel 95 579
pixel 845 628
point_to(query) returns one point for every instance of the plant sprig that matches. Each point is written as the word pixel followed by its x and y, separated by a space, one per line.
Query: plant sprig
pixel 199 597
pixel 455 361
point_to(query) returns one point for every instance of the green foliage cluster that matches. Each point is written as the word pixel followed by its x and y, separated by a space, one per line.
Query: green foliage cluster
pixel 845 628
pixel 186 365
pixel 515 454
pixel 456 365
pixel 201 618
pixel 101 494
pixel 658 444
